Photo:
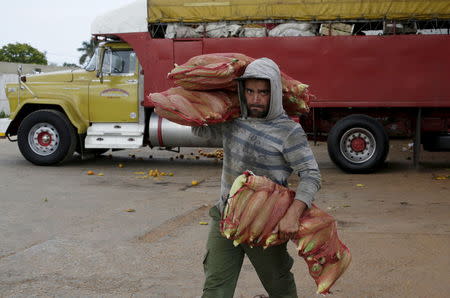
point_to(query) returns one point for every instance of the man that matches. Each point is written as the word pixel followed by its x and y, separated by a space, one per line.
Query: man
pixel 267 142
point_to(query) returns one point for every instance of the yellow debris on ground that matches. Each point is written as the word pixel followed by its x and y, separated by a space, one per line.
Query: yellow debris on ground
pixel 157 173
pixel 218 153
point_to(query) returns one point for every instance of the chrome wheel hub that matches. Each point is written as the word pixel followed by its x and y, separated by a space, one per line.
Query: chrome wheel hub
pixel 43 139
pixel 358 145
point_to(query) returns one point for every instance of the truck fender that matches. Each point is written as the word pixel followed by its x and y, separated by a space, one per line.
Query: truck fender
pixel 28 106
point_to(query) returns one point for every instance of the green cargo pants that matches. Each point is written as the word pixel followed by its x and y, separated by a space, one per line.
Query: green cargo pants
pixel 223 261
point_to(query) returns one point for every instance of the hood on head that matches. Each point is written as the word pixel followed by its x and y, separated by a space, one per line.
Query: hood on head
pixel 263 68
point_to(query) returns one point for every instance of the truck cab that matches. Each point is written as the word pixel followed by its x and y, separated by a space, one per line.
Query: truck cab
pixel 55 114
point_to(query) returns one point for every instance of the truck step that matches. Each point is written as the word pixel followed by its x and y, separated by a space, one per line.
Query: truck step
pixel 114 135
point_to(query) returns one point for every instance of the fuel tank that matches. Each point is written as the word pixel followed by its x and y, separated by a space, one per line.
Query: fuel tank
pixel 165 133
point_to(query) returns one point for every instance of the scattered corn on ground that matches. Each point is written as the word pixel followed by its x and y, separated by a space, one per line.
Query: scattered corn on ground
pixel 441 177
pixel 218 153
pixel 157 173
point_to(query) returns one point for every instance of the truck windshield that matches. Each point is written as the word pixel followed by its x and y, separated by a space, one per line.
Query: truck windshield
pixel 92 63
pixel 119 61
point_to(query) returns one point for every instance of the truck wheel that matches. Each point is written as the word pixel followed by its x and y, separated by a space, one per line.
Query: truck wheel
pixel 46 137
pixel 358 144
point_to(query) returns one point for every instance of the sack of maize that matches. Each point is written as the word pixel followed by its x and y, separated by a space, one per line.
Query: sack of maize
pixel 254 208
pixel 195 108
pixel 210 71
pixel 220 70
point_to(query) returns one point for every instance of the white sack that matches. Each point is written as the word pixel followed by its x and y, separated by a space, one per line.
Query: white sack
pixel 253 32
pixel 180 31
pixel 293 29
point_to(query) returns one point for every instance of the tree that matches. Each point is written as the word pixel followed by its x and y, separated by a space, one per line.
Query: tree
pixel 66 64
pixel 22 53
pixel 88 50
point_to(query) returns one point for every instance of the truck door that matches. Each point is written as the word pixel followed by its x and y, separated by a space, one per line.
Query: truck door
pixel 116 98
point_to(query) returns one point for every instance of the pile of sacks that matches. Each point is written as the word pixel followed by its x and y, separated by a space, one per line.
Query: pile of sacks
pixel 206 91
pixel 224 30
pixel 251 216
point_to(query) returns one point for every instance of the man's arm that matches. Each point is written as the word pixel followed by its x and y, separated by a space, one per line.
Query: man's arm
pixel 212 132
pixel 301 159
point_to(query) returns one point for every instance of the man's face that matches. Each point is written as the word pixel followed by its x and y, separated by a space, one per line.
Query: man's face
pixel 257 94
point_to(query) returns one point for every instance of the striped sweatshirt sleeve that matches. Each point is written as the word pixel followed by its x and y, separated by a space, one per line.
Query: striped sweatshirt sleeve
pixel 211 132
pixel 298 154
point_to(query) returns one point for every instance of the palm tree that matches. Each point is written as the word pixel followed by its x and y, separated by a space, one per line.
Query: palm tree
pixel 88 49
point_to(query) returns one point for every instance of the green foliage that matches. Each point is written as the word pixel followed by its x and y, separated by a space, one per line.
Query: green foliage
pixel 65 64
pixel 3 114
pixel 22 53
pixel 88 50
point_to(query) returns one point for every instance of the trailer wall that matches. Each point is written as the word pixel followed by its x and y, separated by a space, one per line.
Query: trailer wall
pixel 350 71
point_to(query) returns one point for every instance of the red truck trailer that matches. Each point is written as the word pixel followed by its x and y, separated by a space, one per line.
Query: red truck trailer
pixel 367 88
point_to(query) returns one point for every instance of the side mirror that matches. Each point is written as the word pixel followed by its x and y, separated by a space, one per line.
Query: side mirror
pixel 99 63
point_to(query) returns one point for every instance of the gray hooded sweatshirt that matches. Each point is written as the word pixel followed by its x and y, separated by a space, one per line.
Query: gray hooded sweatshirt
pixel 274 146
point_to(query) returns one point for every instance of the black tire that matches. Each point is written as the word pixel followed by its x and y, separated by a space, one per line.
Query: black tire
pixel 358 144
pixel 46 137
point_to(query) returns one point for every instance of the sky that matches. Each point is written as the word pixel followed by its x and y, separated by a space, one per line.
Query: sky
pixel 56 27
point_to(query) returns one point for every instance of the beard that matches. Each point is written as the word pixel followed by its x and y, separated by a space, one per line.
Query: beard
pixel 257 111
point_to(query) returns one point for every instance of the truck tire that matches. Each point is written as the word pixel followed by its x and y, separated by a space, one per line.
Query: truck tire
pixel 46 137
pixel 358 144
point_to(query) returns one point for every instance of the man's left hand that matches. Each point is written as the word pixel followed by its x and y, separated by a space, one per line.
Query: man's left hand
pixel 289 224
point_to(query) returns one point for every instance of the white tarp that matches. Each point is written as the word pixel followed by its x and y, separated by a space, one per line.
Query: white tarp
pixel 129 18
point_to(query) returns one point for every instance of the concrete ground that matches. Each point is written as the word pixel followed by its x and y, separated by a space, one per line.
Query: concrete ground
pixel 65 233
